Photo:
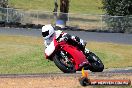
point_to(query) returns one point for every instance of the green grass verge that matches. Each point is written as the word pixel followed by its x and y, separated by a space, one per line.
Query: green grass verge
pixel 113 55
pixel 20 54
pixel 76 6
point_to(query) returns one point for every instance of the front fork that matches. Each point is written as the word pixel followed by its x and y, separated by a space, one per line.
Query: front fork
pixel 64 55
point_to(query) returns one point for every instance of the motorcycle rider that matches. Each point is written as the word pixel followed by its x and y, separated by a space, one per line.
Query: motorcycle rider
pixel 48 33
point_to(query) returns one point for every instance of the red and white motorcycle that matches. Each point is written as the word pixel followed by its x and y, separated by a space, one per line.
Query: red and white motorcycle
pixel 69 58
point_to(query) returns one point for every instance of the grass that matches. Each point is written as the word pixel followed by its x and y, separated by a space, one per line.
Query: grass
pixel 76 6
pixel 113 55
pixel 21 54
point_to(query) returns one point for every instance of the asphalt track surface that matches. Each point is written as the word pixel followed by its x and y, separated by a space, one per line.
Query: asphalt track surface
pixel 88 36
pixel 105 73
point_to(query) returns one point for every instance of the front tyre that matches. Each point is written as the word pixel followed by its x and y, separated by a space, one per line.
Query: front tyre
pixel 96 63
pixel 63 61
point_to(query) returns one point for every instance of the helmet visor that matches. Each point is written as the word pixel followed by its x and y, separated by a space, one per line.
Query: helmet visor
pixel 46 33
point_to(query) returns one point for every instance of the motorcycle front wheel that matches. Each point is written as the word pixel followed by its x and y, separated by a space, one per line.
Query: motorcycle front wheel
pixel 63 61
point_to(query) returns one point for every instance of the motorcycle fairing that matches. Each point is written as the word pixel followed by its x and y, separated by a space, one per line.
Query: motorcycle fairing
pixel 50 49
pixel 78 56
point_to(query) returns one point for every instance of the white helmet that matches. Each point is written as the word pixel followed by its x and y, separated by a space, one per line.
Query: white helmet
pixel 47 31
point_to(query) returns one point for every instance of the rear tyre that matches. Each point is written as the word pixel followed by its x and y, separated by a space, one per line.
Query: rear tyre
pixel 96 63
pixel 63 62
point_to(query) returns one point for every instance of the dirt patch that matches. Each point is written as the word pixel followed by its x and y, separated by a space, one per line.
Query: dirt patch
pixel 48 82
pixel 51 82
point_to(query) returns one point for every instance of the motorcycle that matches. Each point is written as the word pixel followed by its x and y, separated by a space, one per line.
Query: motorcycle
pixel 69 58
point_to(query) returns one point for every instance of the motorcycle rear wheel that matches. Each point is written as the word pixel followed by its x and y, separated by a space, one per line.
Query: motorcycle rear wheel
pixel 96 63
pixel 59 62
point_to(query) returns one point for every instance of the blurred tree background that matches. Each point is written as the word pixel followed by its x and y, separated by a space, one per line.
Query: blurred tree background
pixel 118 14
pixel 3 3
pixel 117 7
